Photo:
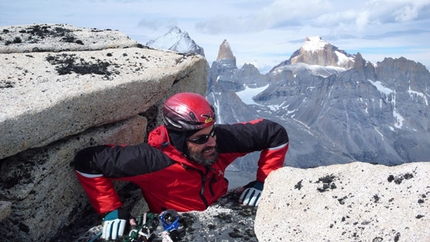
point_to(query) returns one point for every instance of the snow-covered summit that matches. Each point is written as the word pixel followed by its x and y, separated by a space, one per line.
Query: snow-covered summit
pixel 316 51
pixel 314 43
pixel 178 41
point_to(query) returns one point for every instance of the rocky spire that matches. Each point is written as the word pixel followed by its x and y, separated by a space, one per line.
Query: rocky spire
pixel 225 52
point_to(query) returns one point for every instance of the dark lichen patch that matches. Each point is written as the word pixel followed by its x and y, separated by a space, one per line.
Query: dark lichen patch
pixel 235 234
pixel 37 33
pixel 342 200
pixel 376 198
pixel 299 185
pixel 246 235
pixel 224 217
pixel 328 183
pixel 72 39
pixel 68 63
pixel 188 220
pixel 211 226
pixel 247 211
pixel 6 84
pixel 397 237
pixel 399 179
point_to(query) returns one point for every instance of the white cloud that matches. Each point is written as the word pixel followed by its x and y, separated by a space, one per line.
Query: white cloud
pixel 260 32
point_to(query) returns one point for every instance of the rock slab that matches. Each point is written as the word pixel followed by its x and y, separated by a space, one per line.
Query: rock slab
pixel 50 95
pixel 350 202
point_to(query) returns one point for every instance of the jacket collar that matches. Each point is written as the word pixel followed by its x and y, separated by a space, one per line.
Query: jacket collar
pixel 159 138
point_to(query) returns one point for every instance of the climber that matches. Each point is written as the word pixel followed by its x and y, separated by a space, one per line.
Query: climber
pixel 182 165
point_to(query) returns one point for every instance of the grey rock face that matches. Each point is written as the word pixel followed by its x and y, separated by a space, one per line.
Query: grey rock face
pixel 367 119
pixel 56 102
pixel 60 94
pixel 42 187
pixel 353 202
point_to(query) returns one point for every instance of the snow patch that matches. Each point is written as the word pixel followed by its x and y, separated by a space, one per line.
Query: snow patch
pixel 247 94
pixel 399 120
pixel 314 43
pixel 413 94
pixel 380 87
pixel 342 58
pixel 379 133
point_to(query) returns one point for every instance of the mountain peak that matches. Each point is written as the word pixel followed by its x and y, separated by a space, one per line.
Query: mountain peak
pixel 316 51
pixel 225 52
pixel 314 43
pixel 178 41
pixel 175 30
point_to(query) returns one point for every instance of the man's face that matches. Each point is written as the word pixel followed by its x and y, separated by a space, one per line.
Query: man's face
pixel 202 147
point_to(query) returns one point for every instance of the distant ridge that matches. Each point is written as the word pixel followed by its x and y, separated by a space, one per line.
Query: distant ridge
pixel 176 40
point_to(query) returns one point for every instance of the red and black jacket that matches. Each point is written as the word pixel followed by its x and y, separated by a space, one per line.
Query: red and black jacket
pixel 169 180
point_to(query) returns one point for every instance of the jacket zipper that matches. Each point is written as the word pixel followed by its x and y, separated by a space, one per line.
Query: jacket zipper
pixel 202 190
pixel 213 180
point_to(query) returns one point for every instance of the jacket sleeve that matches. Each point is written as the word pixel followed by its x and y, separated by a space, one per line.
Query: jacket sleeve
pixel 96 166
pixel 262 135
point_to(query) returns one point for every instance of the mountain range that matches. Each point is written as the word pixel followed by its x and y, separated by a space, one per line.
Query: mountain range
pixel 336 106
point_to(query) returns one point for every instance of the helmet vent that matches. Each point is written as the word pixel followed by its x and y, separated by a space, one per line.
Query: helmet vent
pixel 193 116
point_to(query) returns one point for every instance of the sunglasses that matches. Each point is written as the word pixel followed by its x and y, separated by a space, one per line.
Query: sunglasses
pixel 201 139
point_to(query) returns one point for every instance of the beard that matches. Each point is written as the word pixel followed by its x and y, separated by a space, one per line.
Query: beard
pixel 202 159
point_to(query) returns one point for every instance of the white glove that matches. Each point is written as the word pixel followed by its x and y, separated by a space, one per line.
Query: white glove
pixel 114 224
pixel 252 193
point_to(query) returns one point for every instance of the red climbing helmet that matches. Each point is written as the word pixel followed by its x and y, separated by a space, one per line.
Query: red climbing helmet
pixel 187 111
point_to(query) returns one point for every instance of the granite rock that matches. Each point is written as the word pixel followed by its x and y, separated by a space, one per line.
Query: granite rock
pixel 349 202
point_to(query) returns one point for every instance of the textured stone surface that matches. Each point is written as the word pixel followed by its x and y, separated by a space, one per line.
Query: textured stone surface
pixel 43 188
pixel 54 95
pixel 350 202
pixel 59 37
pixel 59 99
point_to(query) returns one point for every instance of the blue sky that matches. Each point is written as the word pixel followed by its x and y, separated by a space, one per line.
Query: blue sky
pixel 260 32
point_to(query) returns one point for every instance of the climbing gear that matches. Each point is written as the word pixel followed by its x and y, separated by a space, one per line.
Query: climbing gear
pixel 144 230
pixel 147 228
pixel 187 111
pixel 170 221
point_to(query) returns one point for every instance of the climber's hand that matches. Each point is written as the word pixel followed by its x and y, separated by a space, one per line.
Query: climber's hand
pixel 114 224
pixel 251 195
